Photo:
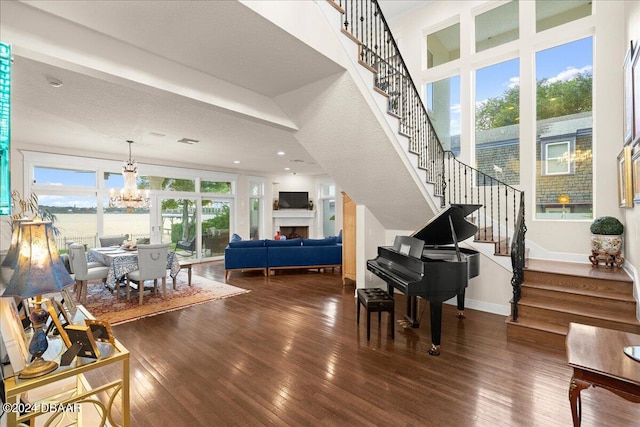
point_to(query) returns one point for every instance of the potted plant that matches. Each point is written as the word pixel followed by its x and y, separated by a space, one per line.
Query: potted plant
pixel 606 241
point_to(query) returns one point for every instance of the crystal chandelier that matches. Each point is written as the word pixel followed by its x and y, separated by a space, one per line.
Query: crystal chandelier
pixel 130 196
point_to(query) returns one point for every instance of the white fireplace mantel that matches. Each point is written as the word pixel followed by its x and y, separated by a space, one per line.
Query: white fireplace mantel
pixel 294 218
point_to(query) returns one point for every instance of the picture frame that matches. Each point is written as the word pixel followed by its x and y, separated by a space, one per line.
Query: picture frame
pixel 635 72
pixel 81 335
pixel 629 133
pixel 62 312
pixel 55 321
pixel 635 172
pixel 625 191
pixel 13 336
pixel 101 330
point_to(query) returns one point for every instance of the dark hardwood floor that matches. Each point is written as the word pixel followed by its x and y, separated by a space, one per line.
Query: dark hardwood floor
pixel 290 353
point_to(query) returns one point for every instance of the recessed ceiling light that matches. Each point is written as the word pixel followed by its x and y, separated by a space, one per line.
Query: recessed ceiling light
pixel 236 161
pixel 287 169
pixel 188 141
pixel 281 153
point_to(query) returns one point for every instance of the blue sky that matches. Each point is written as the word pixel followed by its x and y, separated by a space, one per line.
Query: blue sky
pixel 560 63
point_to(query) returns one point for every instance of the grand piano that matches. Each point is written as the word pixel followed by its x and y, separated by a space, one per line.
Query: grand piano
pixel 426 265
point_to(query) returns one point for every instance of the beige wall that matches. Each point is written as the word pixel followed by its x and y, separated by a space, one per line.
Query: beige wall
pixel 632 216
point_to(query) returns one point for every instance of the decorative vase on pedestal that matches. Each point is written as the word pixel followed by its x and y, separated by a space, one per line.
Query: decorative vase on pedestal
pixel 606 248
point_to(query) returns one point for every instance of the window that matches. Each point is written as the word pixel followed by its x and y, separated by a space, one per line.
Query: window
pixel 66 177
pixel 327 208
pixel 443 106
pixel 550 14
pixel 498 121
pixel 497 26
pixel 443 46
pixel 564 128
pixel 79 197
pixel 256 201
pixel 557 158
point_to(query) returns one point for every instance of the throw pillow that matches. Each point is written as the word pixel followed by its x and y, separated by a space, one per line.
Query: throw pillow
pixel 235 238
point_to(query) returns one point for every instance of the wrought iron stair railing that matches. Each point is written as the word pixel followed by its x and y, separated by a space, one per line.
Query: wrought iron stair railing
pixel 501 220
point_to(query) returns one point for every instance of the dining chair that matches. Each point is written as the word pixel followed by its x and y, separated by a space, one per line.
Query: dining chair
pixel 113 240
pixel 83 273
pixel 152 265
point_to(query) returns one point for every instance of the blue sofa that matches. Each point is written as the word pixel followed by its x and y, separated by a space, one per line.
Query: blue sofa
pixel 268 255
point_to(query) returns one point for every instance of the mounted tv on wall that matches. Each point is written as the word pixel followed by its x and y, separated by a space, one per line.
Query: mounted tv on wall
pixel 293 200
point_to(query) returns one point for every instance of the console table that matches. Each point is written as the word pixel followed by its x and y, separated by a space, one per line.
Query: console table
pixel 56 395
pixel 598 360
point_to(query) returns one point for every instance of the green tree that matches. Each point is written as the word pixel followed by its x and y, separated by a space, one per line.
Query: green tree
pixel 554 99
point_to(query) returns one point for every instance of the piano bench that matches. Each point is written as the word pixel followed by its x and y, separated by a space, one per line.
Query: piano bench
pixel 376 300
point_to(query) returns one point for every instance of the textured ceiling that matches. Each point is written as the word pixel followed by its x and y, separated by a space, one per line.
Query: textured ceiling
pixel 226 40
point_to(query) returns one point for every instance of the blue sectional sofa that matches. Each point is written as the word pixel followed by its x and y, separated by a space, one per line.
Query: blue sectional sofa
pixel 269 254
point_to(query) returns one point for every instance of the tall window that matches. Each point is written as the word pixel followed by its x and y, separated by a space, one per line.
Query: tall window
pixel 443 105
pixel 327 205
pixel 498 121
pixel 256 200
pixel 564 128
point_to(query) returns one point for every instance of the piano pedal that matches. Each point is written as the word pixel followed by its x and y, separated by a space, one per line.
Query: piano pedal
pixel 435 350
pixel 461 315
pixel 404 323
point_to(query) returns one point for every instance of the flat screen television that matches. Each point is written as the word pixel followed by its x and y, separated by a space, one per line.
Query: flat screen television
pixel 293 200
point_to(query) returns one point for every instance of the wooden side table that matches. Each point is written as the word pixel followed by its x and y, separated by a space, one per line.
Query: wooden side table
pixel 598 360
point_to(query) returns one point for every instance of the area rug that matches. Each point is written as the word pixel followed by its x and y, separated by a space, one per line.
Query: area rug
pixel 105 306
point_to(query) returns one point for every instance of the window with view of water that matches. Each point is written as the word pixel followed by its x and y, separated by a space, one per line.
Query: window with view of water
pixel 66 177
pixel 443 106
pixel 498 122
pixel 74 217
pixel 564 129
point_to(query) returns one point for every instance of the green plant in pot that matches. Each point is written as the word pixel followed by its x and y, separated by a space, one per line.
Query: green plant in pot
pixel 606 241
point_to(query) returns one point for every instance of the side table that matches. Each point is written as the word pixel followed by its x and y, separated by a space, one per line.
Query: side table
pixel 598 360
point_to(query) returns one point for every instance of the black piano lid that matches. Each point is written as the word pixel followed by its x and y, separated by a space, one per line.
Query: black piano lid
pixel 438 230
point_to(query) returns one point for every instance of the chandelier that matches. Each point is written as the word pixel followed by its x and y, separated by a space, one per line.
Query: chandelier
pixel 130 196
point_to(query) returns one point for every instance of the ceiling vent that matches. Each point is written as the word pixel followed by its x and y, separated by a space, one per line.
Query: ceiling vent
pixel 188 141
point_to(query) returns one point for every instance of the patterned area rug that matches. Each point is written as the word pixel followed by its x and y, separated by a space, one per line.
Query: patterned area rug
pixel 105 306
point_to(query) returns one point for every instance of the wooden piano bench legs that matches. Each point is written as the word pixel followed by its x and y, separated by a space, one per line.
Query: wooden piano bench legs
pixel 376 300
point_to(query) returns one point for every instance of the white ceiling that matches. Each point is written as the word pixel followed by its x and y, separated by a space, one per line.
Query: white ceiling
pixel 225 39
pixel 95 117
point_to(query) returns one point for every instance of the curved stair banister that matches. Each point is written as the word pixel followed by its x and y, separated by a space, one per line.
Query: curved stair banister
pixel 453 181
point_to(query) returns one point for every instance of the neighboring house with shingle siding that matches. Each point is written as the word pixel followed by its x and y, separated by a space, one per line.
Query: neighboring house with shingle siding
pixel 564 162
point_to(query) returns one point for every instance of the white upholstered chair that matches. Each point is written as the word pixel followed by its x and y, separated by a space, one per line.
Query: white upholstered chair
pixel 115 240
pixel 82 272
pixel 152 265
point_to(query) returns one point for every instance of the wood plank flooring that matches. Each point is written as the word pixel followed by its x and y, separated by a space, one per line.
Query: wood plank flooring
pixel 290 353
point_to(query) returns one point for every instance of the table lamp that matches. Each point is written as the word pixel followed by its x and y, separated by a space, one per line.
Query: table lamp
pixel 11 259
pixel 38 270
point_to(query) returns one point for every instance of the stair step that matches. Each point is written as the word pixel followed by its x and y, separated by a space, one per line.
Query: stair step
pixel 537 333
pixel 618 292
pixel 562 315
pixel 565 301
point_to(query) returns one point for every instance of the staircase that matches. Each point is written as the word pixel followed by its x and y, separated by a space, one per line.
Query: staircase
pixel 548 295
pixel 557 293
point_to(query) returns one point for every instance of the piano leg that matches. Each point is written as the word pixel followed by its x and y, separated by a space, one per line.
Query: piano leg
pixel 461 305
pixel 412 312
pixel 435 309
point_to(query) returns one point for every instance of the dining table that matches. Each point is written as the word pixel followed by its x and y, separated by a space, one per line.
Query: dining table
pixel 122 261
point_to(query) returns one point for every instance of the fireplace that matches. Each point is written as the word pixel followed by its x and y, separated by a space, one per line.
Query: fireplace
pixel 295 232
pixel 294 222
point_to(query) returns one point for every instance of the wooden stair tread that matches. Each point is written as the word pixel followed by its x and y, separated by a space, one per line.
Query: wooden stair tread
pixel 540 326
pixel 596 293
pixel 577 269
pixel 584 311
